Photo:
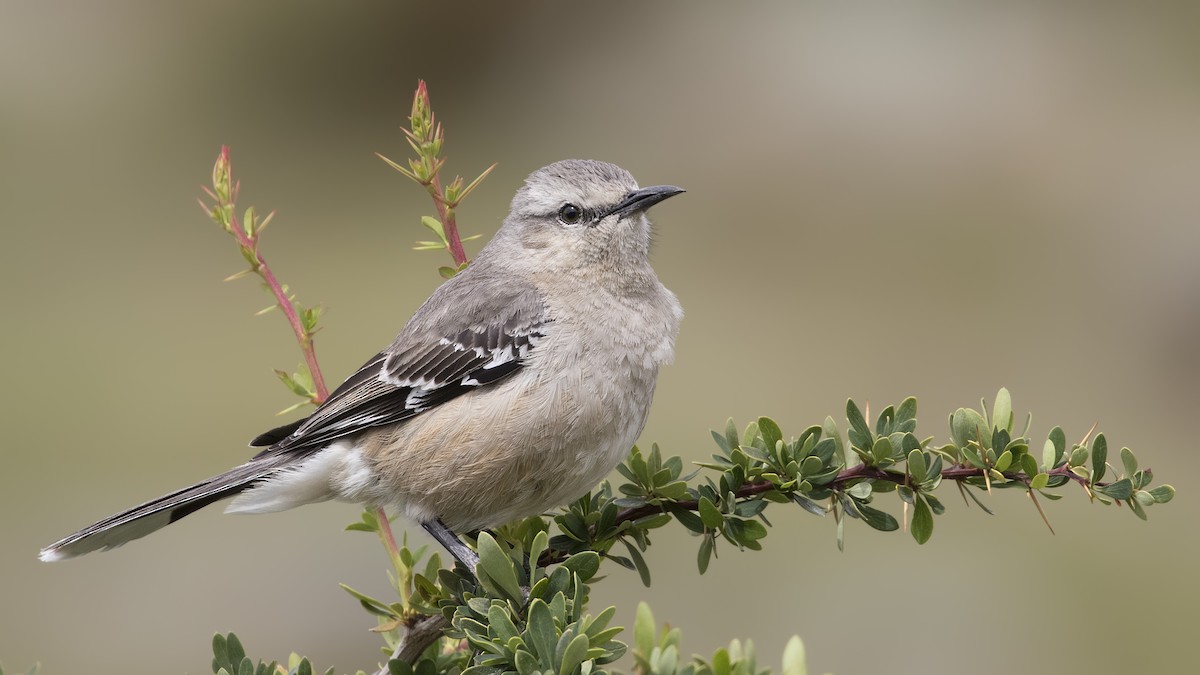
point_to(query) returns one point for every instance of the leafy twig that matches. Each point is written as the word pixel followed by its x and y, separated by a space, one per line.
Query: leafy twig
pixel 426 137
pixel 247 231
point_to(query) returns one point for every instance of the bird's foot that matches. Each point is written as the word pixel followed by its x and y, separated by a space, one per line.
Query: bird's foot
pixel 453 545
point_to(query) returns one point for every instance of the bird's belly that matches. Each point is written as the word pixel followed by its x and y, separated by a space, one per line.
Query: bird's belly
pixel 513 450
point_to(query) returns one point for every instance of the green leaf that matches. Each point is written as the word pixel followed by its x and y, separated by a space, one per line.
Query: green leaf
pixel 526 662
pixel 916 466
pixel 220 648
pixel 639 562
pixel 653 521
pixel 585 564
pixel 596 625
pixel 1002 412
pixel 236 652
pixel 292 384
pixel 540 632
pixel 860 433
pixel 922 522
pixel 1099 457
pixel 720 662
pixel 831 431
pixel 731 434
pixel 248 222
pixel 1004 461
pixel 881 450
pixel 574 655
pixel 435 226
pixel 536 548
pixel 710 514
pixel 793 657
pixel 1049 455
pixel 770 432
pixel 674 491
pixel 1129 462
pixel 705 554
pixel 750 433
pixel 750 530
pixel 1058 441
pixel 886 422
pixel 1122 489
pixel 1162 494
pixel 967 425
pixel 496 566
pixel 906 415
pixel 1029 465
pixel 935 504
pixel 973 458
pixel 688 519
pixel 721 442
pixel 1078 457
pixel 645 631
pixel 1039 481
pixel 309 316
pixel 880 520
pixel 808 504
pixel 370 604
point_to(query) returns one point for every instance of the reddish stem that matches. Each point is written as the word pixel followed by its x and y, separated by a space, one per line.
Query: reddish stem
pixel 285 304
pixel 389 539
pixel 449 222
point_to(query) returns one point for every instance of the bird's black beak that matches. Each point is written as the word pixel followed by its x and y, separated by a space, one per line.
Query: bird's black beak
pixel 642 199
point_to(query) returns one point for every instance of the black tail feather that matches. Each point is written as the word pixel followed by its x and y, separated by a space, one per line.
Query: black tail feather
pixel 158 513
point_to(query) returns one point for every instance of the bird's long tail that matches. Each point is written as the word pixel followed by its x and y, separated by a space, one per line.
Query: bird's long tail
pixel 141 520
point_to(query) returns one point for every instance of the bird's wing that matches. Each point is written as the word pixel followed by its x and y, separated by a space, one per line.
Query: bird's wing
pixel 465 337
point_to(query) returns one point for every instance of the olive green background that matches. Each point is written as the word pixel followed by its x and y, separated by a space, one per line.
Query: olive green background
pixel 883 200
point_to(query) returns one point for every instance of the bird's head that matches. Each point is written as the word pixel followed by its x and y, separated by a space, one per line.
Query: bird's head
pixel 576 214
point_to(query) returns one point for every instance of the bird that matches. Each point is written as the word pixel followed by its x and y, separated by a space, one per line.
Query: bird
pixel 513 389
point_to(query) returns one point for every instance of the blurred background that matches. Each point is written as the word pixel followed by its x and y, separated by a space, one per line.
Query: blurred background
pixel 883 200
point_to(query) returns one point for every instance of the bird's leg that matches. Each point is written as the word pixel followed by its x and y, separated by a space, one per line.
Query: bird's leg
pixel 450 541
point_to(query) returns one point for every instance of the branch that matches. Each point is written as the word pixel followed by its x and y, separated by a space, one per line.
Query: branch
pixel 417 638
pixel 759 467
pixel 845 477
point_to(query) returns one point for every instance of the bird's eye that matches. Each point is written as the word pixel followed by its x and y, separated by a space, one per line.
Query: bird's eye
pixel 570 214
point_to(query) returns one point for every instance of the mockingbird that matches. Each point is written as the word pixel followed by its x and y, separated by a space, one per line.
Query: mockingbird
pixel 516 387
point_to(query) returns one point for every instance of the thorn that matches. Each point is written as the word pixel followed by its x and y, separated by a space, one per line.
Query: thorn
pixel 963 493
pixel 1088 435
pixel 262 224
pixel 1088 491
pixel 1040 511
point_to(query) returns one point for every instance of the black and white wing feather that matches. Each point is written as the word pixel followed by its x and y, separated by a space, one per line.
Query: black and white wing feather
pixel 454 344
